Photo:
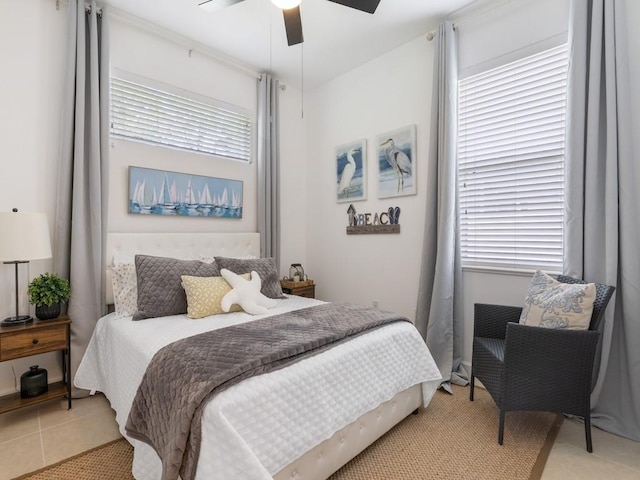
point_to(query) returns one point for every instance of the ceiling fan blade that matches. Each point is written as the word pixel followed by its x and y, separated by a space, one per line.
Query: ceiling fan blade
pixel 293 25
pixel 368 6
pixel 212 5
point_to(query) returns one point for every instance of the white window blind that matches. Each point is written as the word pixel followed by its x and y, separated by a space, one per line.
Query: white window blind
pixel 143 113
pixel 511 145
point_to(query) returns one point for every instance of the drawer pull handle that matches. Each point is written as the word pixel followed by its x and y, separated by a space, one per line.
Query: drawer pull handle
pixel 35 341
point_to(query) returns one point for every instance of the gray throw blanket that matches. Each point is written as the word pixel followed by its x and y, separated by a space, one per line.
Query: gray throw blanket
pixel 184 375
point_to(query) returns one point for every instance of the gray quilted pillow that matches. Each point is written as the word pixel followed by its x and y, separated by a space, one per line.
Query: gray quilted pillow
pixel 160 291
pixel 265 267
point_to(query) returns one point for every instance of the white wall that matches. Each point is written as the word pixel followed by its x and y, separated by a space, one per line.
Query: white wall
pixel 32 45
pixel 502 32
pixel 392 91
pixel 293 187
pixel 163 60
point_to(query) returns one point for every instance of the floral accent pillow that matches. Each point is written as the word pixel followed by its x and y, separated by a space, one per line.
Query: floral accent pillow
pixel 552 304
pixel 125 288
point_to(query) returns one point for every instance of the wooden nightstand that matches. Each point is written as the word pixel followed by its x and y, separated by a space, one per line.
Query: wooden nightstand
pixel 304 288
pixel 32 339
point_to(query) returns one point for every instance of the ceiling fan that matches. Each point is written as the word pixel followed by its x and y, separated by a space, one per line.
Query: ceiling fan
pixel 291 12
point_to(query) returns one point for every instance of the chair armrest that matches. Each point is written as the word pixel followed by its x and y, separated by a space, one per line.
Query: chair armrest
pixel 536 357
pixel 490 321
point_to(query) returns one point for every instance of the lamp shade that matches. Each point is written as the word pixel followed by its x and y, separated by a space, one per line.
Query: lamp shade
pixel 24 236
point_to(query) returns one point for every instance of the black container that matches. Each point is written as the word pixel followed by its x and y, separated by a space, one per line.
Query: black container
pixel 48 312
pixel 34 382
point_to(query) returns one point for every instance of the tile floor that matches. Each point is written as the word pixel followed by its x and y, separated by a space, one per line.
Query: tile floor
pixel 38 436
pixel 34 437
pixel 613 457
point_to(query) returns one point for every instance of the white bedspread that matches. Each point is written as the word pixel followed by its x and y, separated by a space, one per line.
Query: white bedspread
pixel 255 428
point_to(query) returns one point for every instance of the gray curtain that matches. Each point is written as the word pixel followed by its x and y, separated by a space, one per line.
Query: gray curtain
pixel 602 202
pixel 80 224
pixel 269 167
pixel 439 313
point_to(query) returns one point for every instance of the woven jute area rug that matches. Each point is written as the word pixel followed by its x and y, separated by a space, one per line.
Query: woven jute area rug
pixel 452 438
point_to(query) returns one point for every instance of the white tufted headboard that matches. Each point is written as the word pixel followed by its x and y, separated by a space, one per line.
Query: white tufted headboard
pixel 178 245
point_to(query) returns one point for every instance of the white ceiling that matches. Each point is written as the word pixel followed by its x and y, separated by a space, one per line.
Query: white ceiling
pixel 337 38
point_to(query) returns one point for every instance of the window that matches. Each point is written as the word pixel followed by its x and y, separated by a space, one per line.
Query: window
pixel 511 144
pixel 140 112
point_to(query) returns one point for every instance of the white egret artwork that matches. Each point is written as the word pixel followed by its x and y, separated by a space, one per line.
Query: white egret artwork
pixel 351 179
pixel 397 162
pixel 159 192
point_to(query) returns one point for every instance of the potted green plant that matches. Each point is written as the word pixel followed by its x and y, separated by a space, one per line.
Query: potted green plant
pixel 47 292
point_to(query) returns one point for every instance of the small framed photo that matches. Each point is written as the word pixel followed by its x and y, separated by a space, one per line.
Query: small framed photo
pixel 351 171
pixel 397 162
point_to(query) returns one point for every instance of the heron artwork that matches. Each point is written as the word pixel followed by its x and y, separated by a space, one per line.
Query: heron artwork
pixel 347 173
pixel 399 161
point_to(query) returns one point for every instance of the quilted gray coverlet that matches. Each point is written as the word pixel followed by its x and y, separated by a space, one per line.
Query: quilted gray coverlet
pixel 184 375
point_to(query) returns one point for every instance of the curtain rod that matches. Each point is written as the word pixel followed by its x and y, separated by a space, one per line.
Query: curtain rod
pixel 474 10
pixel 191 45
pixel 87 7
pixel 175 37
pixel 469 12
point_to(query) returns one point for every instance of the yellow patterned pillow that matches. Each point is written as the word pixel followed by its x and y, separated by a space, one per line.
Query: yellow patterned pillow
pixel 204 295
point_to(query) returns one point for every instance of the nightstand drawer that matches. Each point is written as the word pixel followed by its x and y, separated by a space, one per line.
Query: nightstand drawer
pixel 32 339
pixel 308 292
pixel 304 288
pixel 32 342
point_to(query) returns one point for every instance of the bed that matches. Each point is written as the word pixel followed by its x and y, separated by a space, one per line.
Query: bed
pixel 303 422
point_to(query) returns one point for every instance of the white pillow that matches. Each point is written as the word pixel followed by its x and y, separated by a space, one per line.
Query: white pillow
pixel 245 293
pixel 119 259
pixel 125 288
pixel 552 304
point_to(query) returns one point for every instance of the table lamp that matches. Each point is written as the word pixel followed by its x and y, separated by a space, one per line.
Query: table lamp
pixel 23 237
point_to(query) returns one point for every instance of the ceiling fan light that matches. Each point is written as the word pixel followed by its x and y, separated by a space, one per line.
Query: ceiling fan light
pixel 286 4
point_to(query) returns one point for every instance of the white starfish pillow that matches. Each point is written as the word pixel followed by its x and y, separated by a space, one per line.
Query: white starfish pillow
pixel 245 293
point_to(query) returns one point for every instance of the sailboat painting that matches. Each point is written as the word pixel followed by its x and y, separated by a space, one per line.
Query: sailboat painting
pixel 159 192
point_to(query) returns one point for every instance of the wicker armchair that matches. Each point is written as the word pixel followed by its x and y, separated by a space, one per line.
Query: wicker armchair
pixel 533 368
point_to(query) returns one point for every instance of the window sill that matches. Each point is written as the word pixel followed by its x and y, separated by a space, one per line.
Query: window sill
pixel 523 272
